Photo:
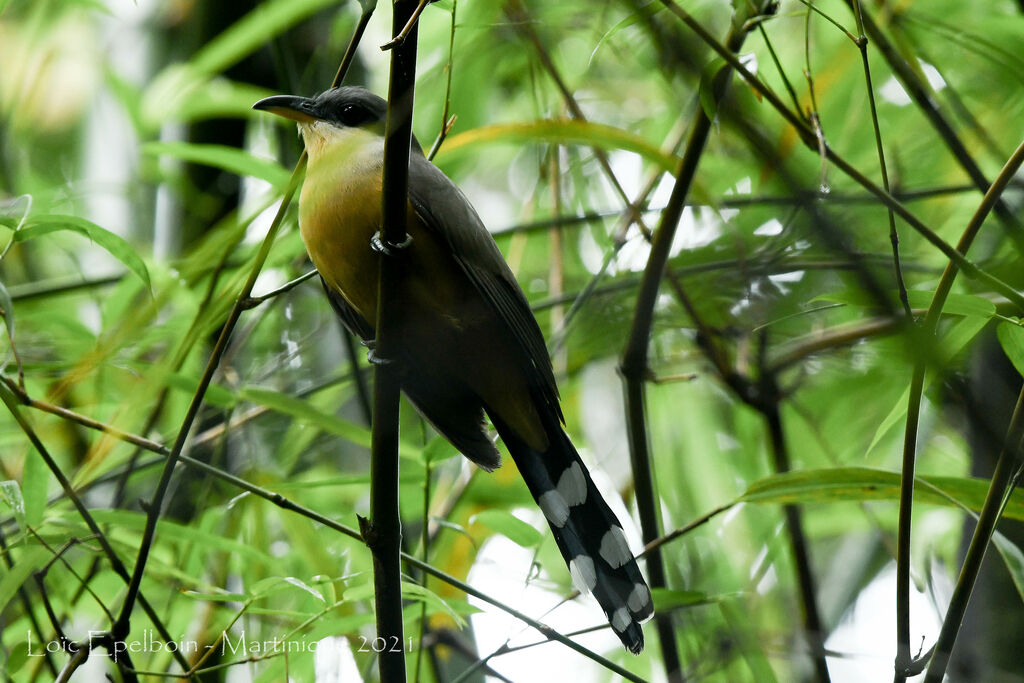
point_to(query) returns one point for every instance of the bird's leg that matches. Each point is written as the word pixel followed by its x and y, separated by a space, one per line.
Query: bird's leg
pixel 390 249
pixel 372 356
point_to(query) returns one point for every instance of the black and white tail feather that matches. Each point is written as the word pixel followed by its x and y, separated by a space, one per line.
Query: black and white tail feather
pixel 586 531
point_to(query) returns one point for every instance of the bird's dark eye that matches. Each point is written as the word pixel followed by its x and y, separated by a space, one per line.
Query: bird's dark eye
pixel 351 115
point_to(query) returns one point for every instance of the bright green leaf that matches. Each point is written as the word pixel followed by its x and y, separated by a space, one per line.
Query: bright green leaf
pixel 956 304
pixel 557 132
pixel 116 246
pixel 862 483
pixel 509 526
pixel 8 309
pixel 230 159
pixel 1013 558
pixel 10 493
pixel 1011 337
pixel 666 599
pixel 24 564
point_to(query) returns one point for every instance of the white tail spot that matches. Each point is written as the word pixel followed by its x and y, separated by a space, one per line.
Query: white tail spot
pixel 639 602
pixel 621 619
pixel 573 485
pixel 584 577
pixel 614 549
pixel 554 507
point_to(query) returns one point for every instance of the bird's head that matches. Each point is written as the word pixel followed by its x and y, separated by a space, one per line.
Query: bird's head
pixel 331 116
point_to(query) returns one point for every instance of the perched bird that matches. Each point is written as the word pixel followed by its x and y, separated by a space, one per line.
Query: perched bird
pixel 469 343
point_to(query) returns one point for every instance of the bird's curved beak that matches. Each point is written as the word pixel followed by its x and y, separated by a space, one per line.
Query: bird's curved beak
pixel 301 109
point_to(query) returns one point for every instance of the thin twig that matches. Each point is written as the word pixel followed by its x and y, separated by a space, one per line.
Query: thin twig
pixel 862 43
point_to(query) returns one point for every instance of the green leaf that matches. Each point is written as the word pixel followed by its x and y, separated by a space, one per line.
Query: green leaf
pixel 896 413
pixel 706 88
pixel 35 479
pixel 439 450
pixel 226 158
pixel 173 531
pixel 951 343
pixel 253 31
pixel 305 411
pixel 509 526
pixel 862 483
pixel 216 597
pixel 8 310
pixel 310 414
pixel 434 602
pixel 24 564
pixel 560 132
pixel 959 335
pixel 1013 558
pixel 10 493
pixel 666 599
pixel 1011 337
pixel 956 304
pixel 216 394
pixel 116 246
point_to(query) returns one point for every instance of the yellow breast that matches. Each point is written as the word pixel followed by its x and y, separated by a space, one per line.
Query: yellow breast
pixel 340 209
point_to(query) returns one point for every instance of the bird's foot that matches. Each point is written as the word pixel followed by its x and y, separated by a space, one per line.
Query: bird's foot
pixel 372 356
pixel 378 244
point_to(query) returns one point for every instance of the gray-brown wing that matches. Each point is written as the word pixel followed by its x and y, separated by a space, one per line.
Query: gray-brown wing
pixel 443 208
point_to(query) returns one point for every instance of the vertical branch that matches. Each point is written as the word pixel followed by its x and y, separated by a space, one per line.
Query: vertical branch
pixel 795 530
pixel 383 531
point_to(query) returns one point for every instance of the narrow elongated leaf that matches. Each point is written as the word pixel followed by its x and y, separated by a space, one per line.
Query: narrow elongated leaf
pixel 24 564
pixel 226 158
pixel 306 411
pixel 116 246
pixel 862 483
pixel 956 304
pixel 509 526
pixel 10 493
pixel 950 344
pixel 252 32
pixel 1013 558
pixel 8 309
pixel 561 132
pixel 1011 337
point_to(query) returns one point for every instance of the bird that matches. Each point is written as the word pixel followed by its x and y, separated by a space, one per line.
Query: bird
pixel 468 343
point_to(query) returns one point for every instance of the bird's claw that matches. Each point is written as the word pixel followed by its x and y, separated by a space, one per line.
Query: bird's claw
pixel 377 360
pixel 378 244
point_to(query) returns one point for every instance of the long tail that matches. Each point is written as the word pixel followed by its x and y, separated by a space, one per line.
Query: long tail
pixel 587 532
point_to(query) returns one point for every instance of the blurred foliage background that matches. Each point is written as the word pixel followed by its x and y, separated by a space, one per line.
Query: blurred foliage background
pixel 136 186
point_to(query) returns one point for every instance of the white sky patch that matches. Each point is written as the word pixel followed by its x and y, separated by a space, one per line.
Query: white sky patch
pixel 634 253
pixel 500 569
pixel 254 192
pixel 591 253
pixel 780 280
pixel 628 168
pixel 866 635
pixel 749 60
pixel 892 91
pixel 334 662
pixel 769 229
pixel 268 280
